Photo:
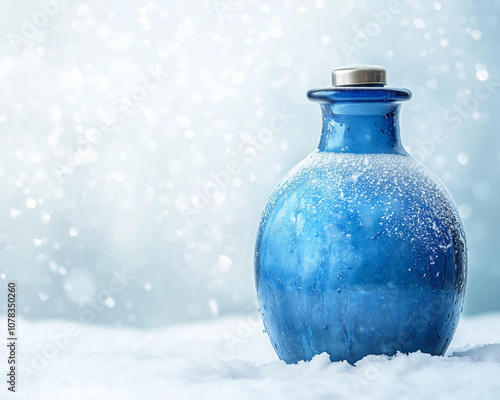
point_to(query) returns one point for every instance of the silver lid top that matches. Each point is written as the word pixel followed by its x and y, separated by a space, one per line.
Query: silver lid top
pixel 359 75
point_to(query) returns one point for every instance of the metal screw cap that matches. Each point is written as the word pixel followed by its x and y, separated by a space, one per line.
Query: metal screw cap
pixel 359 75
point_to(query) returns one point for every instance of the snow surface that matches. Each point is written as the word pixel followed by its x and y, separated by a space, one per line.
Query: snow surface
pixel 231 358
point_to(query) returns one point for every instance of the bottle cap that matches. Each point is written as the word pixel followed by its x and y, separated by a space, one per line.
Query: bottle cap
pixel 359 75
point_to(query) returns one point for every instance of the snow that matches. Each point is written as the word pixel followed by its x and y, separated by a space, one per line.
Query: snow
pixel 231 358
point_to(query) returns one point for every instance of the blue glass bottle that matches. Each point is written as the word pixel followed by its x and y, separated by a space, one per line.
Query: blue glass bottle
pixel 360 249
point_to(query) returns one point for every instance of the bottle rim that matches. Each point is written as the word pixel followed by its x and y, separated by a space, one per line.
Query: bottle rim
pixel 358 94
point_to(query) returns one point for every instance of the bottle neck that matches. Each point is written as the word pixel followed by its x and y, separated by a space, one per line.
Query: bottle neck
pixel 361 128
pixel 360 120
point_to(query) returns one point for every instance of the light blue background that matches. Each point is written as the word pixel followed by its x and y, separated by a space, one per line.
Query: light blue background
pixel 185 94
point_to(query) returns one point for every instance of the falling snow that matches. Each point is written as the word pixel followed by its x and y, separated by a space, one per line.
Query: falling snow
pixel 135 140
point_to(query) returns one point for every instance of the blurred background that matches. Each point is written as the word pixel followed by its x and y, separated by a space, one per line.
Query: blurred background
pixel 140 140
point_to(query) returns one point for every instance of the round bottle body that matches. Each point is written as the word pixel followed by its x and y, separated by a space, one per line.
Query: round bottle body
pixel 360 254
